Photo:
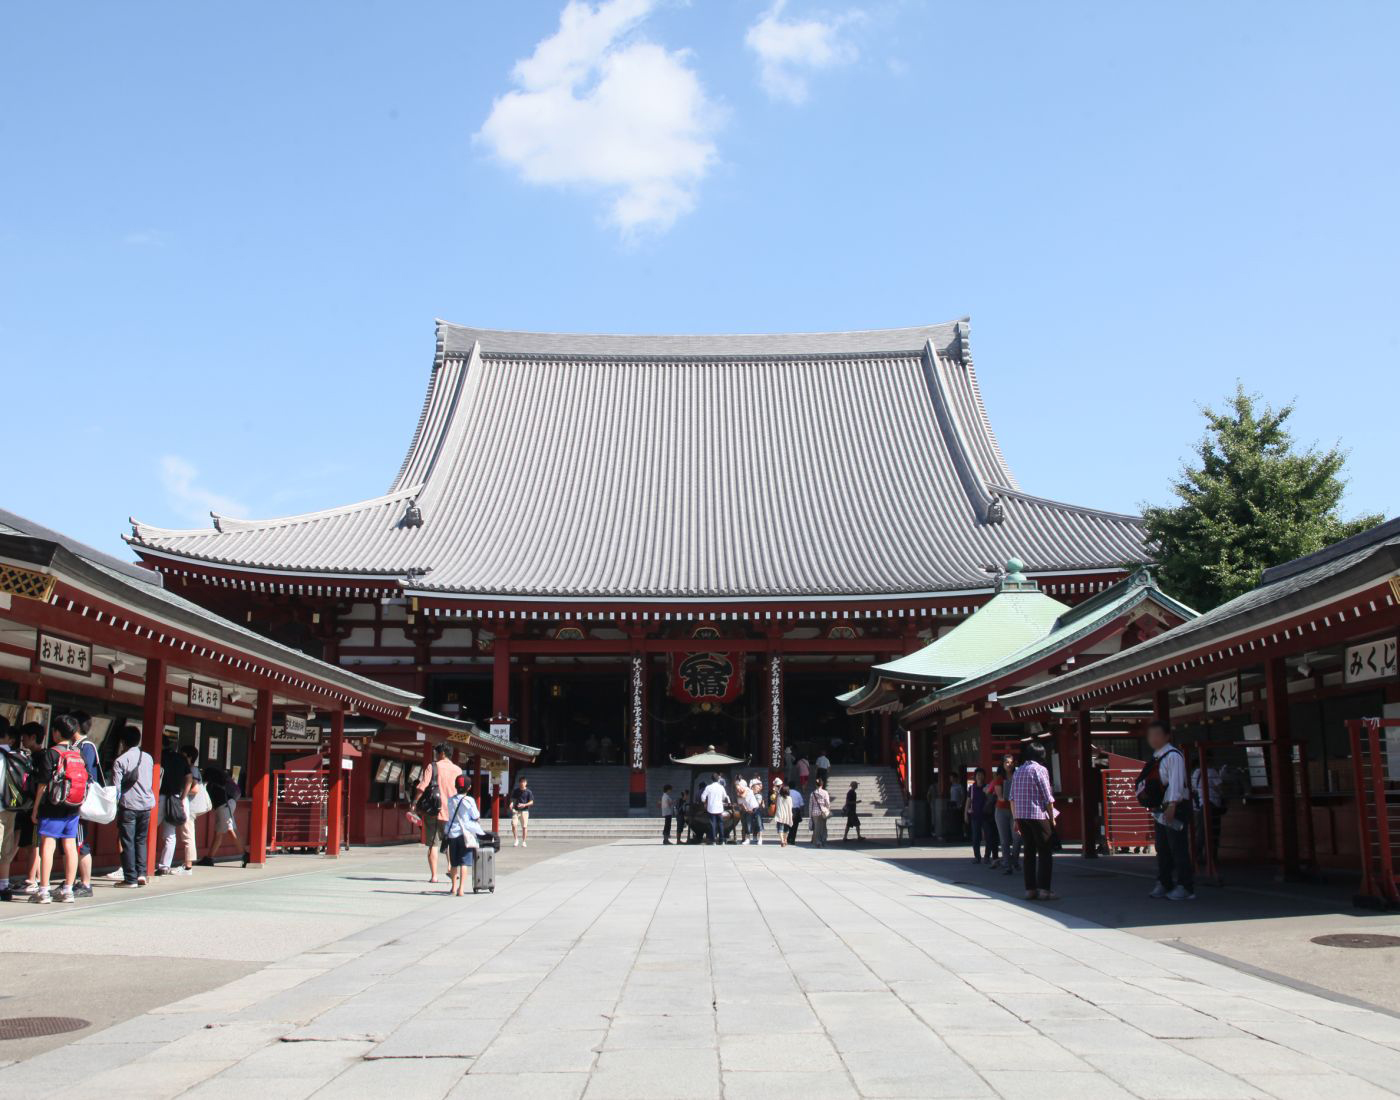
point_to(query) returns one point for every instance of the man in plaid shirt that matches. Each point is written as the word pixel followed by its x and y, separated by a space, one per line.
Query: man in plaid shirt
pixel 1033 808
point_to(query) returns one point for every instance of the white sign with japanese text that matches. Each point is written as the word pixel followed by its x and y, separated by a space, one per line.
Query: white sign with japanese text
pixel 1370 661
pixel 1223 694
pixel 205 696
pixel 500 730
pixel 55 652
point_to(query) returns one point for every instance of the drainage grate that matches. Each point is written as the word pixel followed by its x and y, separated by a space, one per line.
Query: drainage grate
pixel 31 1027
pixel 1357 939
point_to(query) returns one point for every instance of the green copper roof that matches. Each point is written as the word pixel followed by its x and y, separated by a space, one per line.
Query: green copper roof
pixel 1008 621
pixel 1074 623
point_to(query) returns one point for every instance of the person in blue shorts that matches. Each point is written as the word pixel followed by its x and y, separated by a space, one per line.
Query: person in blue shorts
pixel 55 824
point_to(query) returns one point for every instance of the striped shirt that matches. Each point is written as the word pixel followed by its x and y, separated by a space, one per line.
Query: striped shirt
pixel 1030 792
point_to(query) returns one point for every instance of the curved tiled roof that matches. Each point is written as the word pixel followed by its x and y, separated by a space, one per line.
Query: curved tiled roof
pixel 807 465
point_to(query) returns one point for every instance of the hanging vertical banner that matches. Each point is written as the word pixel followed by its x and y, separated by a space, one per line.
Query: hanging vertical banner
pixel 639 712
pixel 775 712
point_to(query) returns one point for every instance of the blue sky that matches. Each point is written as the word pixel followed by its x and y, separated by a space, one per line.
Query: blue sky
pixel 226 229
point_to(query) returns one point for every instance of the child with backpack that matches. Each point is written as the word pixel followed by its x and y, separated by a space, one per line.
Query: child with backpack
pixel 61 775
pixel 16 796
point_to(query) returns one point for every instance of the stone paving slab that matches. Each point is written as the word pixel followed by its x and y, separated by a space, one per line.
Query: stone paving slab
pixel 642 972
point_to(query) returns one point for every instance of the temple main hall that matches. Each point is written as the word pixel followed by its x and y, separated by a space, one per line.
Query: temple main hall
pixel 623 549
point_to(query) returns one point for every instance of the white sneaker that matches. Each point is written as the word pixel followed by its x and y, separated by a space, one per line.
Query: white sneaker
pixel 1158 891
pixel 1180 893
pixel 524 844
pixel 517 842
pixel 116 876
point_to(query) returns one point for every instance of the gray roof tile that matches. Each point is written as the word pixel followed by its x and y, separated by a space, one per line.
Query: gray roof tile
pixel 827 464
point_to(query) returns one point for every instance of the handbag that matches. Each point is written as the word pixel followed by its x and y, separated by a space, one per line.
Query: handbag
pixel 99 804
pixel 172 809
pixel 200 803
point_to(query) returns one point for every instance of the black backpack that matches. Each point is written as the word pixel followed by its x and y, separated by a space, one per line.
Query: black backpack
pixel 430 801
pixel 16 782
pixel 1151 791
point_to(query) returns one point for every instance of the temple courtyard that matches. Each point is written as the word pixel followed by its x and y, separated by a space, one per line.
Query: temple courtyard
pixel 632 970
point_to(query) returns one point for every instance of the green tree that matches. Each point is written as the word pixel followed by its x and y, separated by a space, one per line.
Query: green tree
pixel 1252 501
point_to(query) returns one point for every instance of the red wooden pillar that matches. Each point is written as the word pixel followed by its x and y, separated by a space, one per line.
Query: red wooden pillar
pixel 1162 705
pixel 152 730
pixel 773 714
pixel 259 785
pixel 637 734
pixel 1088 788
pixel 984 739
pixel 335 796
pixel 1281 767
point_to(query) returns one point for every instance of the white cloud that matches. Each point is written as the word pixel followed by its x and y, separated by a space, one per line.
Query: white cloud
pixel 598 107
pixel 791 50
pixel 188 497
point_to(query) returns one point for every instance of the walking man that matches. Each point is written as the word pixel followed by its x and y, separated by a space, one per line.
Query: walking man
pixel 823 766
pixel 821 812
pixel 714 797
pixel 1033 808
pixel 852 817
pixel 1162 789
pixel 132 773
pixel 435 789
pixel 521 799
pixel 668 813
pixel 798 802
pixel 756 797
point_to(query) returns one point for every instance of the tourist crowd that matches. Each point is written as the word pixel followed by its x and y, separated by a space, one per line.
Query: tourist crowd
pixel 56 787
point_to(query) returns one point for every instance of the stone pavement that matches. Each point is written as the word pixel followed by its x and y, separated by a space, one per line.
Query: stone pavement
pixel 638 971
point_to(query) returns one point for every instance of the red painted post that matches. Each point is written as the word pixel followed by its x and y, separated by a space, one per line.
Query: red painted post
pixel 152 729
pixel 259 785
pixel 335 794
pixel 496 808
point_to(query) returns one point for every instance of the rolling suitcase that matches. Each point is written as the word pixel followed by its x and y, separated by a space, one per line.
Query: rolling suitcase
pixel 484 870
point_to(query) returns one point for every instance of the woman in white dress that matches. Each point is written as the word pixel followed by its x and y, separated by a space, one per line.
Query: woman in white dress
pixel 782 811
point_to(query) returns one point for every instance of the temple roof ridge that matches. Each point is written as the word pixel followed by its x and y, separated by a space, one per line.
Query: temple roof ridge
pixel 457 340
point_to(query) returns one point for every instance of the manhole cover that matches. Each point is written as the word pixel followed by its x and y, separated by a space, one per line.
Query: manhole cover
pixel 31 1027
pixel 1357 939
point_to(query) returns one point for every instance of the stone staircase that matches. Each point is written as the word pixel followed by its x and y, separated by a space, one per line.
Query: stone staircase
pixel 583 801
pixel 882 800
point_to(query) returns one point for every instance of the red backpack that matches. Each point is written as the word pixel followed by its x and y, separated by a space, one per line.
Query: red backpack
pixel 68 786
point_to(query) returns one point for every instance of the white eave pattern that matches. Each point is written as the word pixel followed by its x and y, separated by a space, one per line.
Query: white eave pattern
pixel 809 465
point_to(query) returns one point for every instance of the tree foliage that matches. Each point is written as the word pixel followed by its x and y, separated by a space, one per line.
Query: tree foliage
pixel 1252 501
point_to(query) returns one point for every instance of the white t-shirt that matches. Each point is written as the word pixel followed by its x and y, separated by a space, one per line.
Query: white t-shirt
pixel 748 799
pixel 668 804
pixel 823 762
pixel 714 798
